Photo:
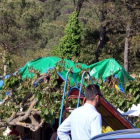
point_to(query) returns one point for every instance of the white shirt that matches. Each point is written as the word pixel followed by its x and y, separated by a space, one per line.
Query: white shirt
pixel 84 122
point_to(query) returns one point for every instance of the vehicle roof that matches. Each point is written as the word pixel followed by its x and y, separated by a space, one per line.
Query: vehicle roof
pixel 125 133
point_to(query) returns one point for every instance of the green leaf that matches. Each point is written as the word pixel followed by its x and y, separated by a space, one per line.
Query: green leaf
pixel 130 90
pixel 1 97
pixel 46 111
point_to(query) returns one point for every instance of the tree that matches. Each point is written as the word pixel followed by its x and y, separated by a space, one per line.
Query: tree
pixel 94 37
pixel 101 15
pixel 98 11
pixel 70 44
pixel 122 22
pixel 79 5
pixel 21 28
pixel 21 24
pixel 30 98
pixel 6 62
pixel 39 98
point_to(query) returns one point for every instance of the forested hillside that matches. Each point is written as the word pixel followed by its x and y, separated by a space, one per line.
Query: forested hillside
pixel 107 29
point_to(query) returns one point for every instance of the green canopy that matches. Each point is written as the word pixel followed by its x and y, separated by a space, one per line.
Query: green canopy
pixel 47 63
pixel 105 68
pixel 109 67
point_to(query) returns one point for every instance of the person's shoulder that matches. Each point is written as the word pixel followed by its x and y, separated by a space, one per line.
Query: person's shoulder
pixel 75 111
pixel 98 114
pixel 78 109
pixel 93 114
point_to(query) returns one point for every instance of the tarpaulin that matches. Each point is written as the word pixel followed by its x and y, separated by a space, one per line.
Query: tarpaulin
pixel 104 68
pixel 109 67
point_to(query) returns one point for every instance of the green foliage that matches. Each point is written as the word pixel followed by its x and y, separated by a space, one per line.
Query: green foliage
pixel 22 29
pixel 120 100
pixel 21 24
pixel 124 101
pixel 89 43
pixel 134 54
pixel 49 99
pixel 120 14
pixel 6 60
pixel 137 123
pixel 51 24
pixel 70 44
pixel 49 93
pixel 6 137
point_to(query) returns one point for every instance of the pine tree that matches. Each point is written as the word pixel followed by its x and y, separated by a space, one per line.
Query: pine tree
pixel 70 43
pixel 122 24
pixel 21 24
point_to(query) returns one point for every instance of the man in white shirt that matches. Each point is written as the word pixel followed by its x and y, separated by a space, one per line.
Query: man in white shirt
pixel 84 122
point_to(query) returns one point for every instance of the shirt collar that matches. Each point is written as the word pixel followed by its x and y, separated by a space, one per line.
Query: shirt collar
pixel 89 105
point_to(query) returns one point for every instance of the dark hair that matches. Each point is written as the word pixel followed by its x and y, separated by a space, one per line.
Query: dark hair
pixel 91 91
pixel 14 126
pixel 55 127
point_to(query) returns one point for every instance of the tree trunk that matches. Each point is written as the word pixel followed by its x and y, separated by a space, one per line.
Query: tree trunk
pixel 5 70
pixel 126 47
pixel 101 37
pixel 4 65
pixel 79 5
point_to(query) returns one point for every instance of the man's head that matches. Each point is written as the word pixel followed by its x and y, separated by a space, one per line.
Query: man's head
pixel 93 94
pixel 14 127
